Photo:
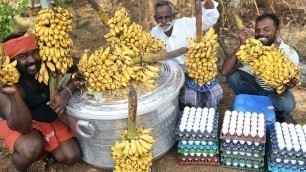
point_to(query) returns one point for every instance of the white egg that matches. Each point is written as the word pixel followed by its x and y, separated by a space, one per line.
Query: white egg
pixel 212 110
pixel 284 125
pixel 241 114
pixel 202 129
pixel 239 132
pixel 288 147
pixel 261 124
pixel 261 134
pixel 247 113
pixel 240 126
pixel 281 146
pixel 189 128
pixel 224 131
pixel 253 123
pixel 209 129
pixel 253 133
pixel 262 129
pixel 232 131
pixel 254 114
pixel 225 126
pixel 193 109
pixel 192 113
pixel 278 128
pixel 195 128
pixel 186 114
pixel 261 115
pixel 301 163
pixel 290 125
pixel 304 148
pixel 246 133
pixel 247 125
pixel 228 112
pixel 276 124
pixel 296 147
pixel 242 142
pixel 205 109
pixel 304 127
pixel 254 127
pixel 182 128
pixel 187 108
pixel 247 119
pixel 190 142
pixel 234 113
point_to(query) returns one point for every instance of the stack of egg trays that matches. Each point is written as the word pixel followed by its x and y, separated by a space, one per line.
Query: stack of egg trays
pixel 197 147
pixel 284 160
pixel 234 161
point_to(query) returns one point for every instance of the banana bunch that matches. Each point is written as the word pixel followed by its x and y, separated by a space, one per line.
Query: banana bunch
pixel 132 35
pixel 201 58
pixel 52 28
pixel 250 51
pixel 9 75
pixel 134 153
pixel 113 68
pixel 275 69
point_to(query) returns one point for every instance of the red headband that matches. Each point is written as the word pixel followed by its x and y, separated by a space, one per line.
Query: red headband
pixel 19 45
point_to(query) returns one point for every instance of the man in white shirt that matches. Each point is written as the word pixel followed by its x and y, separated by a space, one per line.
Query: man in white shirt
pixel 174 33
pixel 242 81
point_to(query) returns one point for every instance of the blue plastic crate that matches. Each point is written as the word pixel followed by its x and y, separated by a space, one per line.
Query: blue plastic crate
pixel 258 104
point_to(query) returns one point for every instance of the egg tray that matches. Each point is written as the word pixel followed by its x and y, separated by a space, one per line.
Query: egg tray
pixel 259 162
pixel 191 84
pixel 213 161
pixel 215 145
pixel 198 150
pixel 255 139
pixel 273 162
pixel 276 152
pixel 260 168
pixel 258 158
pixel 251 150
pixel 196 135
pixel 277 168
pixel 284 156
pixel 246 144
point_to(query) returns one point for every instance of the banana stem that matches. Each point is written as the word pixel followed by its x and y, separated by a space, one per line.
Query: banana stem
pixel 53 85
pixel 161 56
pixel 132 101
pixel 101 13
pixel 198 8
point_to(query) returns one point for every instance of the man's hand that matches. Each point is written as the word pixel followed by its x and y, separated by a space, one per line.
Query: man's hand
pixel 8 90
pixel 243 34
pixel 59 101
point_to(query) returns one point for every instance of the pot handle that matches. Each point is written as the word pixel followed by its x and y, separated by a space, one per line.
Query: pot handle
pixel 86 124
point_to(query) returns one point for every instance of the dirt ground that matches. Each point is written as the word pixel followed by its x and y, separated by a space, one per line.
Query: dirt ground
pixel 88 34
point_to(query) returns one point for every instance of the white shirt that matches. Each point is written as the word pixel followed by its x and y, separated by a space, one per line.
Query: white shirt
pixel 184 28
pixel 289 51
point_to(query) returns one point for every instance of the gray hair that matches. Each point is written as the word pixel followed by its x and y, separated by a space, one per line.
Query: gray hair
pixel 163 3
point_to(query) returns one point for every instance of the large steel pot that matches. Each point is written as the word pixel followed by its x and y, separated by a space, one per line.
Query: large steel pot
pixel 99 121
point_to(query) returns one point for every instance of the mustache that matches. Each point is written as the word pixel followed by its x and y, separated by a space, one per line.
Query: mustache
pixel 30 64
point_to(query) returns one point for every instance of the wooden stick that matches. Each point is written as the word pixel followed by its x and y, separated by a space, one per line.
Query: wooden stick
pixel 132 104
pixel 161 56
pixel 198 7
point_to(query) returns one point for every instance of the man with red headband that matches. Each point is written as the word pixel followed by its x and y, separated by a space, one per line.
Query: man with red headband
pixel 29 124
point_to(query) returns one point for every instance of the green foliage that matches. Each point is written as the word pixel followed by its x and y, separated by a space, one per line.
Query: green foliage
pixel 8 9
